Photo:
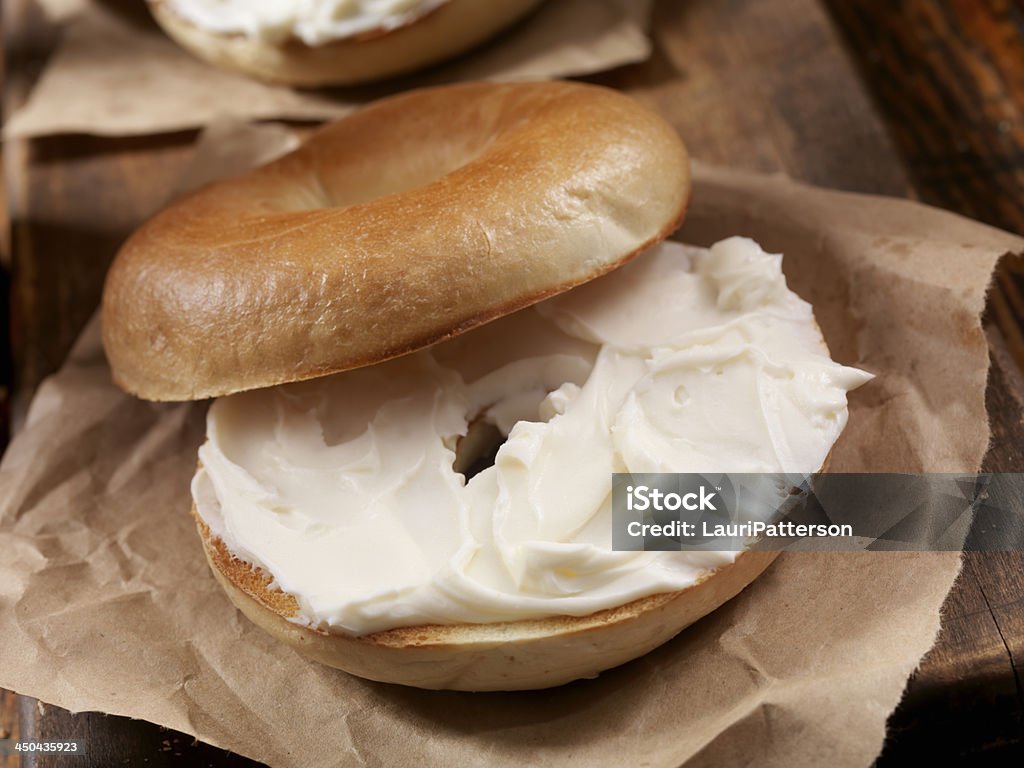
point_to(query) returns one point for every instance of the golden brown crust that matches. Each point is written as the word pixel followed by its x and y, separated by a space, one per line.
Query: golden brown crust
pixel 454 27
pixel 521 655
pixel 414 220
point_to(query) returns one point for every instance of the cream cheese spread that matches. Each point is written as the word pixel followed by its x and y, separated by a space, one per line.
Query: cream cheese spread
pixel 686 360
pixel 314 22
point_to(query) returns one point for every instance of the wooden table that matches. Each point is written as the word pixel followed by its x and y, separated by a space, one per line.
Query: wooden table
pixel 921 98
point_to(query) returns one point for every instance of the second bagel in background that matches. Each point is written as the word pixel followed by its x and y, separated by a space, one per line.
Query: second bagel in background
pixel 333 42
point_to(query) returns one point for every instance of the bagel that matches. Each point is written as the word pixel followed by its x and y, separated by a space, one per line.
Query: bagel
pixel 407 41
pixel 339 515
pixel 411 221
pixel 333 496
pixel 501 656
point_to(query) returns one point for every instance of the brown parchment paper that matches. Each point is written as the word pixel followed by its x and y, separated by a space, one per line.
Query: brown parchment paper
pixel 106 602
pixel 116 73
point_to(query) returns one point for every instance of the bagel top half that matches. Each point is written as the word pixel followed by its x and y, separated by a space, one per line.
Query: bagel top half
pixel 416 219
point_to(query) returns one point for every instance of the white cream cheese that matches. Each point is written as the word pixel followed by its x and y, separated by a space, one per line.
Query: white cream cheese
pixel 685 360
pixel 314 22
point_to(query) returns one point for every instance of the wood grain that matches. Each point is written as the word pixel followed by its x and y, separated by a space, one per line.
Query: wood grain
pixel 948 79
pixel 110 741
pixel 9 726
pixel 966 703
pixel 749 84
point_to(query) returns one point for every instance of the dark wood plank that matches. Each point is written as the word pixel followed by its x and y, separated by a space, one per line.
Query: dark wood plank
pixel 963 707
pixel 111 741
pixel 946 77
pixel 9 726
pixel 966 703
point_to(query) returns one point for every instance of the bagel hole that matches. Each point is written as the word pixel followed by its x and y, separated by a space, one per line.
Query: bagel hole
pixel 477 450
pixel 369 178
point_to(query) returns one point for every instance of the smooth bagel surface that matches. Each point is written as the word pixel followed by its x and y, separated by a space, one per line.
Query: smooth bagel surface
pixel 411 221
pixel 452 28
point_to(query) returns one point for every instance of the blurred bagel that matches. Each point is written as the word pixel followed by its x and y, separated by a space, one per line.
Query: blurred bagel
pixel 450 28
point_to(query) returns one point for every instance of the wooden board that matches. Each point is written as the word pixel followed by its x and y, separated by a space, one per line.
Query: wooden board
pixel 883 99
pixel 949 79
